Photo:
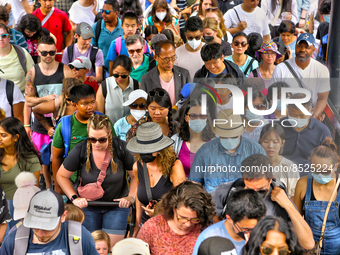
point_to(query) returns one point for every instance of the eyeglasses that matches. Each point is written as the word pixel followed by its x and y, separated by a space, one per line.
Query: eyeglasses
pixel 272 53
pixel 185 220
pixel 157 93
pixel 194 116
pixel 116 75
pixel 167 60
pixel 211 8
pixel 4 36
pixel 268 250
pixel 45 53
pixel 243 44
pixel 77 69
pixel 141 106
pixel 100 140
pixel 241 233
pixel 107 12
pixel 190 38
pixel 259 106
pixel 138 51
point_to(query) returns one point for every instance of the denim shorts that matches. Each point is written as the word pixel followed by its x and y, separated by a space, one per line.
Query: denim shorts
pixel 111 220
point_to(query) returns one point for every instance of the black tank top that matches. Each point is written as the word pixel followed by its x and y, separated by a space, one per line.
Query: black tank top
pixel 163 186
pixel 47 85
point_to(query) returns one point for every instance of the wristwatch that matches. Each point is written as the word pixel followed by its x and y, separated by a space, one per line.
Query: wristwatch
pixel 74 197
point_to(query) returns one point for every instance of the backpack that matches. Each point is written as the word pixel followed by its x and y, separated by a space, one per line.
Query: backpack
pixel 9 93
pixel 249 66
pixel 93 54
pixel 74 239
pixel 21 56
pixel 98 29
pixel 104 86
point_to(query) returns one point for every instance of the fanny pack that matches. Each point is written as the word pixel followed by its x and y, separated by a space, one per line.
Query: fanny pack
pixel 94 191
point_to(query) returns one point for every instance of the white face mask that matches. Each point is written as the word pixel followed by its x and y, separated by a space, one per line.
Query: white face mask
pixel 160 15
pixel 137 114
pixel 194 44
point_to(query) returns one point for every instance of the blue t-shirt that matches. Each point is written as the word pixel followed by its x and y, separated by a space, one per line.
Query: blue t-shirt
pixel 243 68
pixel 58 246
pixel 122 127
pixel 217 229
pixel 291 46
pixel 211 75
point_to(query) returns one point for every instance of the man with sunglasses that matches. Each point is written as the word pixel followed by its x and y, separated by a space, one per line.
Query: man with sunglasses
pixel 244 208
pixel 189 54
pixel 257 175
pixel 141 62
pixel 166 75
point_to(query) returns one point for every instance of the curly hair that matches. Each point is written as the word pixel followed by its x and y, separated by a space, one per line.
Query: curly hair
pixel 259 235
pixel 97 122
pixel 166 158
pixel 190 195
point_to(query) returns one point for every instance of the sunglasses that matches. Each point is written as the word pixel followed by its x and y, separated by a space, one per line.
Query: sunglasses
pixel 138 51
pixel 157 93
pixel 190 38
pixel 4 36
pixel 259 106
pixel 45 53
pixel 211 8
pixel 77 69
pixel 194 116
pixel 141 106
pixel 243 44
pixel 269 250
pixel 107 12
pixel 124 76
pixel 100 140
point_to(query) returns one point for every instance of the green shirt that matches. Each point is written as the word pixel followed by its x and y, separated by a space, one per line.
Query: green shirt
pixel 7 177
pixel 141 70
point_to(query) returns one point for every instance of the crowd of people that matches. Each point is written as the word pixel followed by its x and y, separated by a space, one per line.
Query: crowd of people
pixel 197 124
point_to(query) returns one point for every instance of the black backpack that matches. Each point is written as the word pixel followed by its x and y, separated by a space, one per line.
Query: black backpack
pixel 9 93
pixel 93 54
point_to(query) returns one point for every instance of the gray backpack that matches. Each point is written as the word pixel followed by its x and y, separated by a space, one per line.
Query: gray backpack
pixel 74 239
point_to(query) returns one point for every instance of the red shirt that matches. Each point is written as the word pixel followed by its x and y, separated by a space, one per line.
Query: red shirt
pixel 93 84
pixel 57 24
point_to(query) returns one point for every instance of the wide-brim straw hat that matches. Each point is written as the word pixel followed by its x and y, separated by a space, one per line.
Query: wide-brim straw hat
pixel 232 127
pixel 149 139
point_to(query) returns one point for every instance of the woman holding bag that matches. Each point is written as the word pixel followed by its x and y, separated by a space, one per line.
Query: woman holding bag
pixel 101 161
pixel 157 168
pixel 312 196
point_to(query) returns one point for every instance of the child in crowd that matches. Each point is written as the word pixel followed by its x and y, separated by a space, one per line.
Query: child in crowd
pixel 102 241
pixel 74 213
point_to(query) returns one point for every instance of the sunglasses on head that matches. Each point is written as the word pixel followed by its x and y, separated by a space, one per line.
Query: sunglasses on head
pixel 157 93
pixel 243 44
pixel 100 140
pixel 107 12
pixel 138 51
pixel 269 250
pixel 45 53
pixel 141 106
pixel 116 75
pixel 4 36
pixel 77 69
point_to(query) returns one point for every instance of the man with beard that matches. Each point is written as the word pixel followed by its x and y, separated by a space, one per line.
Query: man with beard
pixel 310 74
pixel 44 82
pixel 141 63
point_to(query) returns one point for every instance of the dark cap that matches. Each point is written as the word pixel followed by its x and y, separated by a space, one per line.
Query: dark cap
pixel 157 38
pixel 217 246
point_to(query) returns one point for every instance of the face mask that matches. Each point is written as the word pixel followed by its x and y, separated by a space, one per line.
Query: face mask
pixel 252 117
pixel 208 39
pixel 229 143
pixel 147 158
pixel 137 114
pixel 299 122
pixel 197 125
pixel 194 44
pixel 327 17
pixel 322 179
pixel 161 15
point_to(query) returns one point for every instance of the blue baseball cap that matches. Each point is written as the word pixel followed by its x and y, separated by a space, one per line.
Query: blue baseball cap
pixel 307 37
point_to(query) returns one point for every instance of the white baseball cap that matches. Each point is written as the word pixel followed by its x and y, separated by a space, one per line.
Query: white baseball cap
pixel 134 95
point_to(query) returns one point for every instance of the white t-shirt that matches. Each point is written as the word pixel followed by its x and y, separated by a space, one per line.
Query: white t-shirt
pixel 315 77
pixel 17 97
pixel 191 61
pixel 266 6
pixel 86 14
pixel 18 10
pixel 257 20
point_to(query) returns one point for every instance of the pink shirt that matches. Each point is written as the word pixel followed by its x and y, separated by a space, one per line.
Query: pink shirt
pixel 170 88
pixel 163 240
pixel 186 157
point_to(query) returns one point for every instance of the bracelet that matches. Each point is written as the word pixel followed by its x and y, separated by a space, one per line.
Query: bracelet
pixel 27 125
pixel 134 200
pixel 315 115
pixel 303 18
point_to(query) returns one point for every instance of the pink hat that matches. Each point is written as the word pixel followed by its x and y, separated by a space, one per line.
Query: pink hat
pixel 268 46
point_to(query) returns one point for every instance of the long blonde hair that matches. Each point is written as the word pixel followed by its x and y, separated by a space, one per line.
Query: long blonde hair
pixel 222 27
pixel 97 122
pixel 213 25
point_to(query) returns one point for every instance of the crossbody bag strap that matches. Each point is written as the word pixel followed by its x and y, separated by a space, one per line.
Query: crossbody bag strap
pixel 290 68
pixel 249 66
pixel 147 181
pixel 277 15
pixel 103 169
pixel 237 15
pixel 47 17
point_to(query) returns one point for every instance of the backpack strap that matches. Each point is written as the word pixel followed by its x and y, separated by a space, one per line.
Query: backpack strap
pixel 65 129
pixel 93 56
pixel 13 36
pixel 9 93
pixel 135 84
pixel 75 238
pixel 98 29
pixel 21 240
pixel 237 15
pixel 290 68
pixel 70 50
pixel 255 74
pixel 248 66
pixel 21 56
pixel 118 45
pixel 104 88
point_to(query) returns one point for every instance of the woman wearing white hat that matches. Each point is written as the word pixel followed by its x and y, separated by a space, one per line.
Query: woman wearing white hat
pixel 161 170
